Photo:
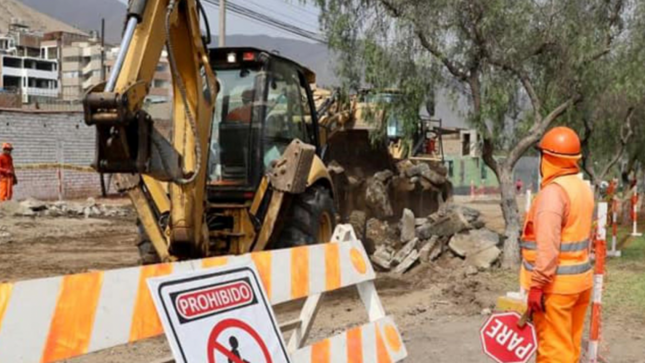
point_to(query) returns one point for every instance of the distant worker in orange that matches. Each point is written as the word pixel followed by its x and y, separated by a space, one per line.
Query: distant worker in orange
pixel 7 173
pixel 555 250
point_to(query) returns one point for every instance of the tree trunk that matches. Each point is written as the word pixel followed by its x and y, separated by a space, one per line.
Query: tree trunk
pixel 511 214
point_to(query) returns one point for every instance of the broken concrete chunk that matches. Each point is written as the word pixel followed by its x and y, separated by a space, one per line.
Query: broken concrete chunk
pixel 427 247
pixel 403 166
pixel 377 199
pixel 358 220
pixel 471 270
pixel 384 176
pixel 381 262
pixel 428 173
pixel 34 204
pixel 376 232
pixel 420 221
pixel 407 263
pixel 405 251
pixel 472 242
pixel 479 247
pixel 484 259
pixel 12 208
pixel 407 226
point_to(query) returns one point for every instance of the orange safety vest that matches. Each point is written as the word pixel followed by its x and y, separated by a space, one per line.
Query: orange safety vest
pixel 574 273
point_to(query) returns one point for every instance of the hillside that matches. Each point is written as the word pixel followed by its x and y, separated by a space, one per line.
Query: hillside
pixel 87 14
pixel 38 21
pixel 84 14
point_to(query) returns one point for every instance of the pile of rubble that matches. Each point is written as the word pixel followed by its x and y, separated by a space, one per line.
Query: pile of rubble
pixel 454 230
pixel 89 208
pixel 421 187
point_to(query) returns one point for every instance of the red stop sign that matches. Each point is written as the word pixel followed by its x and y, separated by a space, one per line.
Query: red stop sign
pixel 505 342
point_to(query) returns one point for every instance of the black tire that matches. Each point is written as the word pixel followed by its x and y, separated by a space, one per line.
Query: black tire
pixel 147 252
pixel 306 216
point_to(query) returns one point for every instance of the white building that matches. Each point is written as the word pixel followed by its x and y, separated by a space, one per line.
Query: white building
pixel 28 65
pixel 33 77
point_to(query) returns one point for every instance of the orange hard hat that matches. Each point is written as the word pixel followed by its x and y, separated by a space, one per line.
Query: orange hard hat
pixel 561 141
pixel 7 146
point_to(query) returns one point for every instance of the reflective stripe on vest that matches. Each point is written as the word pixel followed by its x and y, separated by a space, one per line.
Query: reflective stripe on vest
pixel 564 247
pixel 565 270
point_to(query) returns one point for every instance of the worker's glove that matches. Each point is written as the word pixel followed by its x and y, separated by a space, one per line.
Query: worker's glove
pixel 536 300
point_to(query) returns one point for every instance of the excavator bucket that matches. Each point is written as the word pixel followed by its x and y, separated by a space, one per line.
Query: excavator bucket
pixel 353 159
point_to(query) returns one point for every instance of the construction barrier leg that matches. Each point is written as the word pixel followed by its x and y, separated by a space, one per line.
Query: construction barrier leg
pixel 614 231
pixel 635 213
pixel 596 307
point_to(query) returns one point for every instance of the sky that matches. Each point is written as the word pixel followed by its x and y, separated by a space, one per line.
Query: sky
pixel 291 11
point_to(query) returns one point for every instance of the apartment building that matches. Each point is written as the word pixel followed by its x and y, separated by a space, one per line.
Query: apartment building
pixel 23 69
pixel 83 67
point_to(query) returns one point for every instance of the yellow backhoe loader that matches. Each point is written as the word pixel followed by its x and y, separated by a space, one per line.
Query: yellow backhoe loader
pixel 240 170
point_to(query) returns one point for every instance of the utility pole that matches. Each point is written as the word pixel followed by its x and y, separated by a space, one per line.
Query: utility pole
pixel 104 187
pixel 222 23
pixel 102 49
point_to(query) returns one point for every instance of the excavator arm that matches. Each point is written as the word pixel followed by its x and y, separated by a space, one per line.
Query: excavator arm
pixel 128 144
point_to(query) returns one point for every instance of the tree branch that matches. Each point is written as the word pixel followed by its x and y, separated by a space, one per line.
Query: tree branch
pixel 537 130
pixel 587 157
pixel 614 20
pixel 527 84
pixel 456 69
pixel 625 134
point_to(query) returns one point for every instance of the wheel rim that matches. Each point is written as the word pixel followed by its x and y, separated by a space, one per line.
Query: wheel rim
pixel 324 228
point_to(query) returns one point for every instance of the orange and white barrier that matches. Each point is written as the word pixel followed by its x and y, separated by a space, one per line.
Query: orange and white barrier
pixel 614 229
pixel 527 206
pixel 596 307
pixel 377 342
pixel 472 190
pixel 635 213
pixel 52 319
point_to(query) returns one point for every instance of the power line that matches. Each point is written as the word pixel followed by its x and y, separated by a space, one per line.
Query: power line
pixel 300 8
pixel 268 20
pixel 278 13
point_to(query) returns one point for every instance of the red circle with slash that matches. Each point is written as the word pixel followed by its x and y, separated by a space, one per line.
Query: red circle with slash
pixel 226 324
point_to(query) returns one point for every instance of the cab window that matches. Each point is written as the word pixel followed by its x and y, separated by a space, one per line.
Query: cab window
pixel 285 114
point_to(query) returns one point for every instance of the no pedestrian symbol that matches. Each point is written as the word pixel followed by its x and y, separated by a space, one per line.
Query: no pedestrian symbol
pixel 231 353
pixel 219 315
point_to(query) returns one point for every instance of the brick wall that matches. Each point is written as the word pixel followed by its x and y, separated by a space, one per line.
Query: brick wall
pixel 50 138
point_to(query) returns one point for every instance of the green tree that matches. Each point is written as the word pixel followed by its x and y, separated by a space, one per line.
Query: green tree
pixel 519 62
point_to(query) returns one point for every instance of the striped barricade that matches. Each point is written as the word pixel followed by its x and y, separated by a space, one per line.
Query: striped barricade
pixel 52 319
pixel 599 274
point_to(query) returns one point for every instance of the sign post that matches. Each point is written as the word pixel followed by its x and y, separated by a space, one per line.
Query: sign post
pixel 505 342
pixel 218 316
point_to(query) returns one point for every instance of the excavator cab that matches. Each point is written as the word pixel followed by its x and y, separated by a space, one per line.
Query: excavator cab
pixel 264 107
pixel 264 103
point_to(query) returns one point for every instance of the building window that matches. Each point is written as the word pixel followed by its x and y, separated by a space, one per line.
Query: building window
pixel 73 59
pixel 484 170
pixel 450 165
pixel 159 83
pixel 71 74
pixel 11 82
pixel 12 62
pixel 465 147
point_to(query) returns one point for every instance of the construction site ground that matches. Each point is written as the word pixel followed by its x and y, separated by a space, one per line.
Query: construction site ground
pixel 438 309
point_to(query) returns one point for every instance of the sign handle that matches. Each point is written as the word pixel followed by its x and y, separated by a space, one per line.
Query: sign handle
pixel 526 317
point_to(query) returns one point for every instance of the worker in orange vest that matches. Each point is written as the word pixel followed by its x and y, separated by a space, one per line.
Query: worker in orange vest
pixel 7 173
pixel 555 250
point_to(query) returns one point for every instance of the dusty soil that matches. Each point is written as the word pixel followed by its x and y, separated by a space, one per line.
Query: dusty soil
pixel 437 307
